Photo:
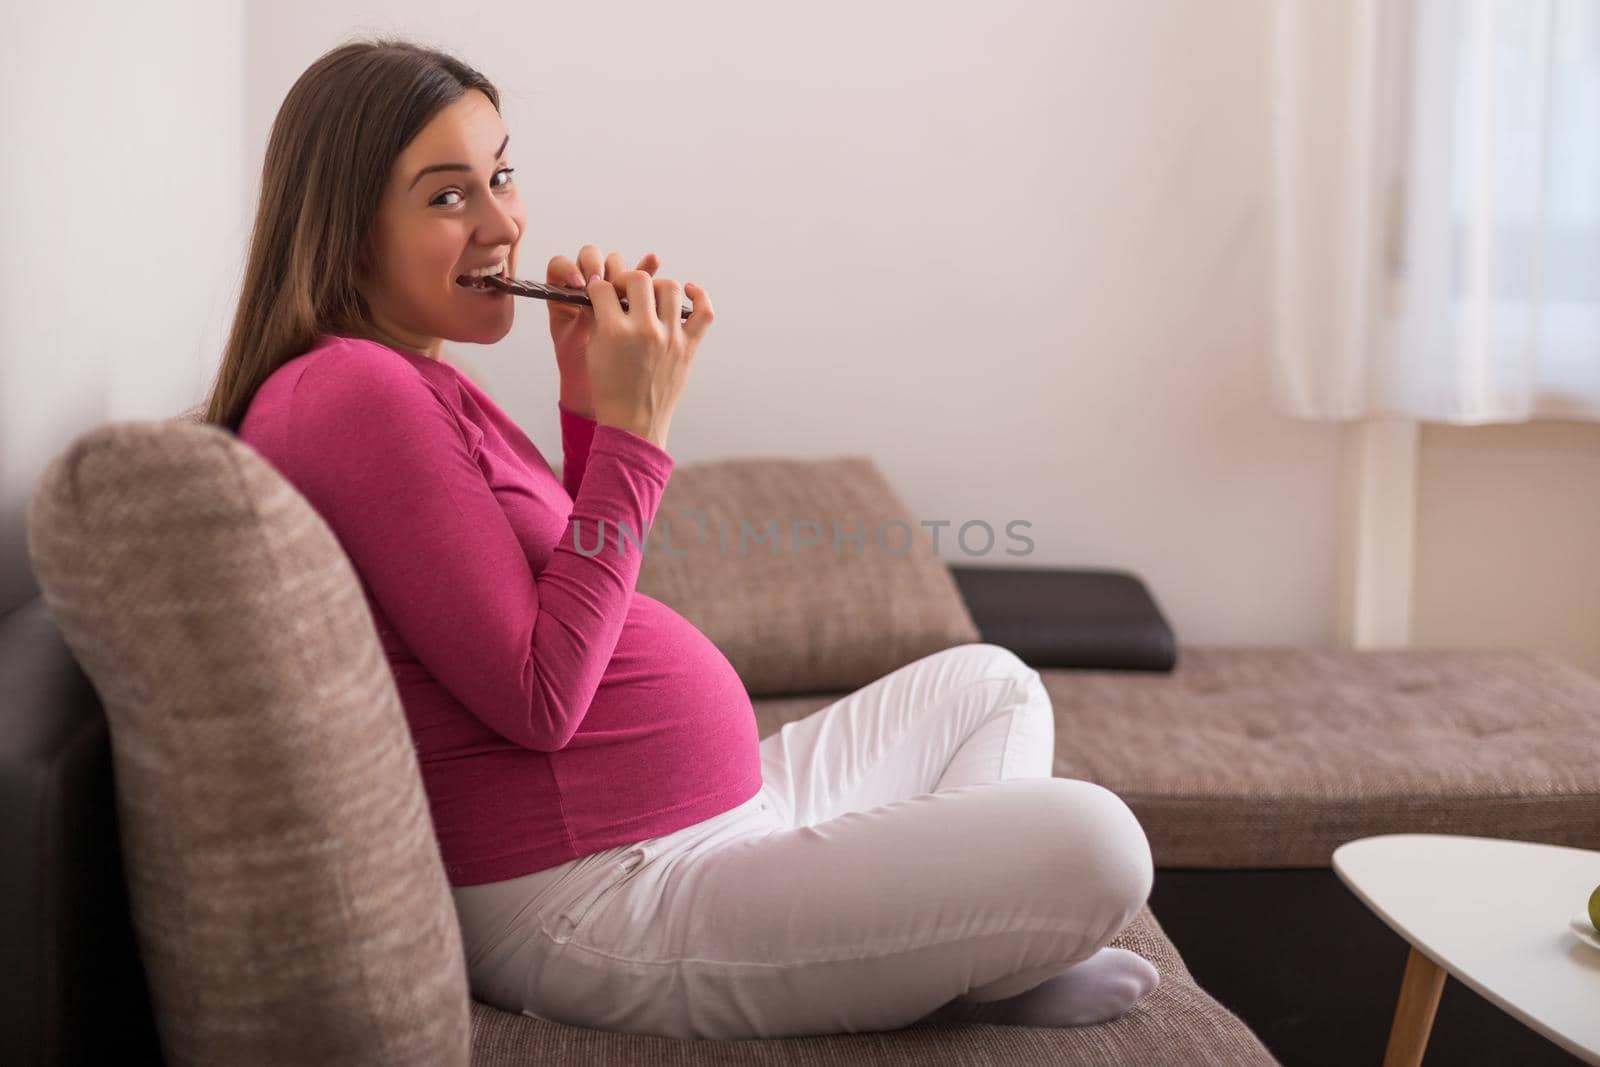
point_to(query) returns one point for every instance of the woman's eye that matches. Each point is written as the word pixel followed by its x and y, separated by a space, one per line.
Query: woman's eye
pixel 508 171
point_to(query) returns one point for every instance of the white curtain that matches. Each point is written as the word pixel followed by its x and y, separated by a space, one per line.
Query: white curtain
pixel 1436 209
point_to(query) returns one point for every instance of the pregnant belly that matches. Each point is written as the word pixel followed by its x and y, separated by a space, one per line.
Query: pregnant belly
pixel 666 680
pixel 670 725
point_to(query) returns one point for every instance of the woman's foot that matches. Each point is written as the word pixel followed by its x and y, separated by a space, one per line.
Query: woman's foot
pixel 1093 990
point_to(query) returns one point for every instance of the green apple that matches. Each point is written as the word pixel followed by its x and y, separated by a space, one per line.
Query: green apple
pixel 1594 907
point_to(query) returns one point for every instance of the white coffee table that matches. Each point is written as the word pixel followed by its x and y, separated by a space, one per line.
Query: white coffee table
pixel 1495 915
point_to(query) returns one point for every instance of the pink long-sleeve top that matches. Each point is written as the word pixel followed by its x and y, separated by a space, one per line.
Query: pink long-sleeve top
pixel 555 710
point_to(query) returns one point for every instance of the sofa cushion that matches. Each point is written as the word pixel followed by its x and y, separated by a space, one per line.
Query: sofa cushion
pixel 1080 617
pixel 287 892
pixel 1177 1025
pixel 1273 757
pixel 792 616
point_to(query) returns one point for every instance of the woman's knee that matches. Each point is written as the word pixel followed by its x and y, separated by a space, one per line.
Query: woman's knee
pixel 982 660
pixel 994 661
pixel 1096 842
pixel 1027 687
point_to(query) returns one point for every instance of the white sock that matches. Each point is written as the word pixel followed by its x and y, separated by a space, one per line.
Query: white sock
pixel 1093 990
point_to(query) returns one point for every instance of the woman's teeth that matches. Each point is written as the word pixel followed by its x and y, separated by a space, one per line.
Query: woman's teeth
pixel 473 279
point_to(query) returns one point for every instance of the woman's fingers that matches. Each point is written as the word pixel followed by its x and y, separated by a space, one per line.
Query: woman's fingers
pixel 590 261
pixel 561 271
pixel 603 296
pixel 575 273
pixel 641 298
pixel 669 302
pixel 700 320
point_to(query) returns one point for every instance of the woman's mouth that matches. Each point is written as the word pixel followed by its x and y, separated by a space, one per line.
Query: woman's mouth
pixel 474 279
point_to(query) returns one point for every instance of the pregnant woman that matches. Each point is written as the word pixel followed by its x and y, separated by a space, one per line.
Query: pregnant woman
pixel 624 851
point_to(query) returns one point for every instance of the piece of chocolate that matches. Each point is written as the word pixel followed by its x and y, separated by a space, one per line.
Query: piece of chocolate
pixel 560 293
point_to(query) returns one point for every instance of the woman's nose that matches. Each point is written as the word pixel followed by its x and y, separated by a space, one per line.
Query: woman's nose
pixel 500 225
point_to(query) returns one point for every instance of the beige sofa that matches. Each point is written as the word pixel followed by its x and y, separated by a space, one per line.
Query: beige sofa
pixel 176 565
pixel 284 884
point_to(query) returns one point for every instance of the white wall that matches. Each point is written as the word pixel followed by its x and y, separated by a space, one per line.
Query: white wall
pixel 1508 539
pixel 839 176
pixel 121 219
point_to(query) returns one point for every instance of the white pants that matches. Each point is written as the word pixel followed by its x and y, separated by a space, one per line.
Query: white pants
pixel 908 846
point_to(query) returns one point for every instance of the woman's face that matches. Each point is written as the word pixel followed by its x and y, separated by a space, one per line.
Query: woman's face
pixel 450 206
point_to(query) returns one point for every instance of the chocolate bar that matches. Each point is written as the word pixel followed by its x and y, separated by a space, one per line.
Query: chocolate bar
pixel 560 293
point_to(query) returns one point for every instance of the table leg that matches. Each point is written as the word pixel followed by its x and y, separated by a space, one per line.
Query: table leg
pixel 1413 1015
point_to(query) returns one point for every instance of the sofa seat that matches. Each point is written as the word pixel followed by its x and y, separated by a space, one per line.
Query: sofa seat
pixel 1262 757
pixel 1273 757
pixel 1177 1025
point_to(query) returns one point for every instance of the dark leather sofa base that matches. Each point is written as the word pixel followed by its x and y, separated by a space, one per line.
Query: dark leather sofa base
pixel 67 945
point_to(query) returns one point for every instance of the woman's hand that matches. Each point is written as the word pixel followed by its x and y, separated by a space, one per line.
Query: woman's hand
pixel 571 325
pixel 640 358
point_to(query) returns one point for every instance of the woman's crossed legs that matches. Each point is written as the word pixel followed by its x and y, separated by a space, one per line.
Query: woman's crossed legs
pixel 908 852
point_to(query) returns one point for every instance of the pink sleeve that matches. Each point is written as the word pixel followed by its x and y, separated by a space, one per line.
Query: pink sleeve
pixel 384 460
pixel 577 431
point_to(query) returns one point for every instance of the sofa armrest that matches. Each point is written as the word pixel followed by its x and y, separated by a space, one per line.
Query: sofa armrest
pixel 1068 617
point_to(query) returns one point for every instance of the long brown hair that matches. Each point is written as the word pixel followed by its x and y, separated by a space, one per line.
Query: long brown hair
pixel 333 143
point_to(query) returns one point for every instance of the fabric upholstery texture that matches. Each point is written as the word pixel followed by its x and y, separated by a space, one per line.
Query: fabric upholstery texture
pixel 1246 757
pixel 287 891
pixel 794 617
pixel 1273 757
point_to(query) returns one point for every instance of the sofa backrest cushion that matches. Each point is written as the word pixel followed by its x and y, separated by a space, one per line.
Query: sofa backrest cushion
pixel 809 574
pixel 287 890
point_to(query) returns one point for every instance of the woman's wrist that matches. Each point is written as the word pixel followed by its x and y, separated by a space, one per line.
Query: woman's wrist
pixel 575 407
pixel 652 430
pixel 575 394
